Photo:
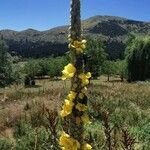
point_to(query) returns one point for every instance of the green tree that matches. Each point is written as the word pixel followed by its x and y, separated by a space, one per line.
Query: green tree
pixel 32 68
pixel 56 66
pixel 42 67
pixel 96 56
pixel 5 65
pixel 109 68
pixel 138 59
pixel 17 74
pixel 121 69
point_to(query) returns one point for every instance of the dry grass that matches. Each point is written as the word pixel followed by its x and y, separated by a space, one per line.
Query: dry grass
pixel 52 93
pixel 17 101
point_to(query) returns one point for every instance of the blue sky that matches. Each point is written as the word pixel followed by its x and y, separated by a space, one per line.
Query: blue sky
pixel 45 14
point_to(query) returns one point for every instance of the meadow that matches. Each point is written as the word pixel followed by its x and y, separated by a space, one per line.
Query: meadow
pixel 119 112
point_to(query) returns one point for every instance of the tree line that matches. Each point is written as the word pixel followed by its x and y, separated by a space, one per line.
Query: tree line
pixel 134 67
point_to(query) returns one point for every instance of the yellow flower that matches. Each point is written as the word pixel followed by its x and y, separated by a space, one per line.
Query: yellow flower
pixel 86 147
pixel 67 108
pixel 72 95
pixel 85 119
pixel 63 138
pixel 85 78
pixel 81 107
pixel 78 45
pixel 67 142
pixel 68 71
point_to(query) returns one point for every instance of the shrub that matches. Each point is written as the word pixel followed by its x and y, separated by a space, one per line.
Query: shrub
pixel 5 144
pixel 30 138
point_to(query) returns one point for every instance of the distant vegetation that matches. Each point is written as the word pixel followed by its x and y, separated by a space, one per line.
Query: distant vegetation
pixel 135 66
pixel 40 68
pixel 113 30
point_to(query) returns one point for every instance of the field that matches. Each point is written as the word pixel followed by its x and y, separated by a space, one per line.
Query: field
pixel 119 112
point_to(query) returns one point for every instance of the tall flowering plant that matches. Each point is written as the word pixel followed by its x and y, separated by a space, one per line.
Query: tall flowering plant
pixel 74 109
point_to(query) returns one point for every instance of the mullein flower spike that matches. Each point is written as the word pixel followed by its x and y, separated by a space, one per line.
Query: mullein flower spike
pixel 75 107
pixel 65 140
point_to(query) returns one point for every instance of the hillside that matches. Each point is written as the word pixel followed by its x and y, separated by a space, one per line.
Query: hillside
pixel 114 31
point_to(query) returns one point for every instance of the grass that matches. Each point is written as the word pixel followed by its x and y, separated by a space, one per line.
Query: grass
pixel 127 105
pixel 123 106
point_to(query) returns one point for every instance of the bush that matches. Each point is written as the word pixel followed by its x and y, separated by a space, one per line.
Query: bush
pixel 30 138
pixel 5 145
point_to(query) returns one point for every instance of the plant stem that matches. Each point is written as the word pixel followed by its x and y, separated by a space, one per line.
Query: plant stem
pixel 76 131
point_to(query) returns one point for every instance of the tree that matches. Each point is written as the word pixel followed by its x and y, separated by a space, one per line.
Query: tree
pixel 138 59
pixel 121 69
pixel 5 65
pixel 56 66
pixel 31 69
pixel 96 56
pixel 108 68
pixel 17 75
pixel 43 67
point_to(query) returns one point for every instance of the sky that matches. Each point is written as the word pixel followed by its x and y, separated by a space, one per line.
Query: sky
pixel 45 14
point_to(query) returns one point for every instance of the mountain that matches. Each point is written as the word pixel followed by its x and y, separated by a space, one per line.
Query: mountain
pixel 113 30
